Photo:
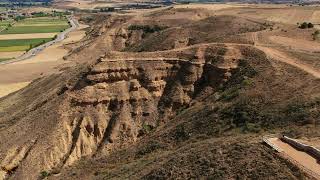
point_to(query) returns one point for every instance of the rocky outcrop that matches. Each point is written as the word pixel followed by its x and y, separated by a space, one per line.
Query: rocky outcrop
pixel 120 100
pixel 112 104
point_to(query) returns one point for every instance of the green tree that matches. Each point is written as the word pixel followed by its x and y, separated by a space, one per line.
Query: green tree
pixel 304 25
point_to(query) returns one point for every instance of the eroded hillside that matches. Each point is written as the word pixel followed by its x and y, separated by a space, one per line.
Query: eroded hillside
pixel 186 96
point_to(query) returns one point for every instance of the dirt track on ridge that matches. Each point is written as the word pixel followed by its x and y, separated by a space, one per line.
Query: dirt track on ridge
pixel 280 56
pixel 304 159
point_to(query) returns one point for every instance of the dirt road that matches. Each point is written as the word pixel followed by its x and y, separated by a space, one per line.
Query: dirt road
pixel 305 160
pixel 280 56
pixel 275 54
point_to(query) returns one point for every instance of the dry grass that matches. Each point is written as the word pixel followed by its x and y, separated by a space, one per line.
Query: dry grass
pixel 296 44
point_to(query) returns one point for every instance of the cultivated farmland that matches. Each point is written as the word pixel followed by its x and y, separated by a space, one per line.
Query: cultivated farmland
pixel 37 25
pixel 21 44
pixel 22 35
pixel 34 29
pixel 4 24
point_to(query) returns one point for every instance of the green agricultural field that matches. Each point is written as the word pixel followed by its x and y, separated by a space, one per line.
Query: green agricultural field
pixel 42 21
pixel 36 25
pixel 29 26
pixel 21 44
pixel 4 24
pixel 34 29
pixel 14 48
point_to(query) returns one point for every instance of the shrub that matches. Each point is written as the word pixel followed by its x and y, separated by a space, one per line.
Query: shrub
pixel 306 25
pixel 147 28
pixel 310 25
pixel 247 82
pixel 297 112
pixel 149 148
pixel 229 94
pixel 87 19
pixel 44 174
pixel 147 128
pixel 181 134
pixel 251 127
pixel 316 34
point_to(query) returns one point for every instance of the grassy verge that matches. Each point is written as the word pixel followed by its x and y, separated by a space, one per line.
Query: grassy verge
pixel 43 22
pixel 5 59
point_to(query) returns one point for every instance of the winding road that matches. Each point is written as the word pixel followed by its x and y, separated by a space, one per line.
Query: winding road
pixel 60 37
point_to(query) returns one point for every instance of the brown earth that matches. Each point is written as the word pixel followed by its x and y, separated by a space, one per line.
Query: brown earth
pixel 180 97
pixel 27 36
pixel 11 54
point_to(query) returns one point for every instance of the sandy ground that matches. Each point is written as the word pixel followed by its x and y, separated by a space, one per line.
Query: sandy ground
pixel 26 36
pixel 17 75
pixel 11 54
pixel 302 158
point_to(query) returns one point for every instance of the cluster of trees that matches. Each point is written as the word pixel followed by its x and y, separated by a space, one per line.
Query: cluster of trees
pixel 107 9
pixel 147 28
pixel 306 25
pixel 24 3
pixel 18 18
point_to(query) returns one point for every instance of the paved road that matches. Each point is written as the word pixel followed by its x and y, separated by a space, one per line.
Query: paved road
pixel 60 37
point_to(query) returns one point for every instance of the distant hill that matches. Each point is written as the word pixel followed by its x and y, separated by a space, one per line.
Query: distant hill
pixel 25 1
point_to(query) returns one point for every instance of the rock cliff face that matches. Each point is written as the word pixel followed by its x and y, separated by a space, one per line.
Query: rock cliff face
pixel 120 100
pixel 117 100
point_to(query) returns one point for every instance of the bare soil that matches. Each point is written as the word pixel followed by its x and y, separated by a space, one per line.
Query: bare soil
pixel 11 54
pixel 27 36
